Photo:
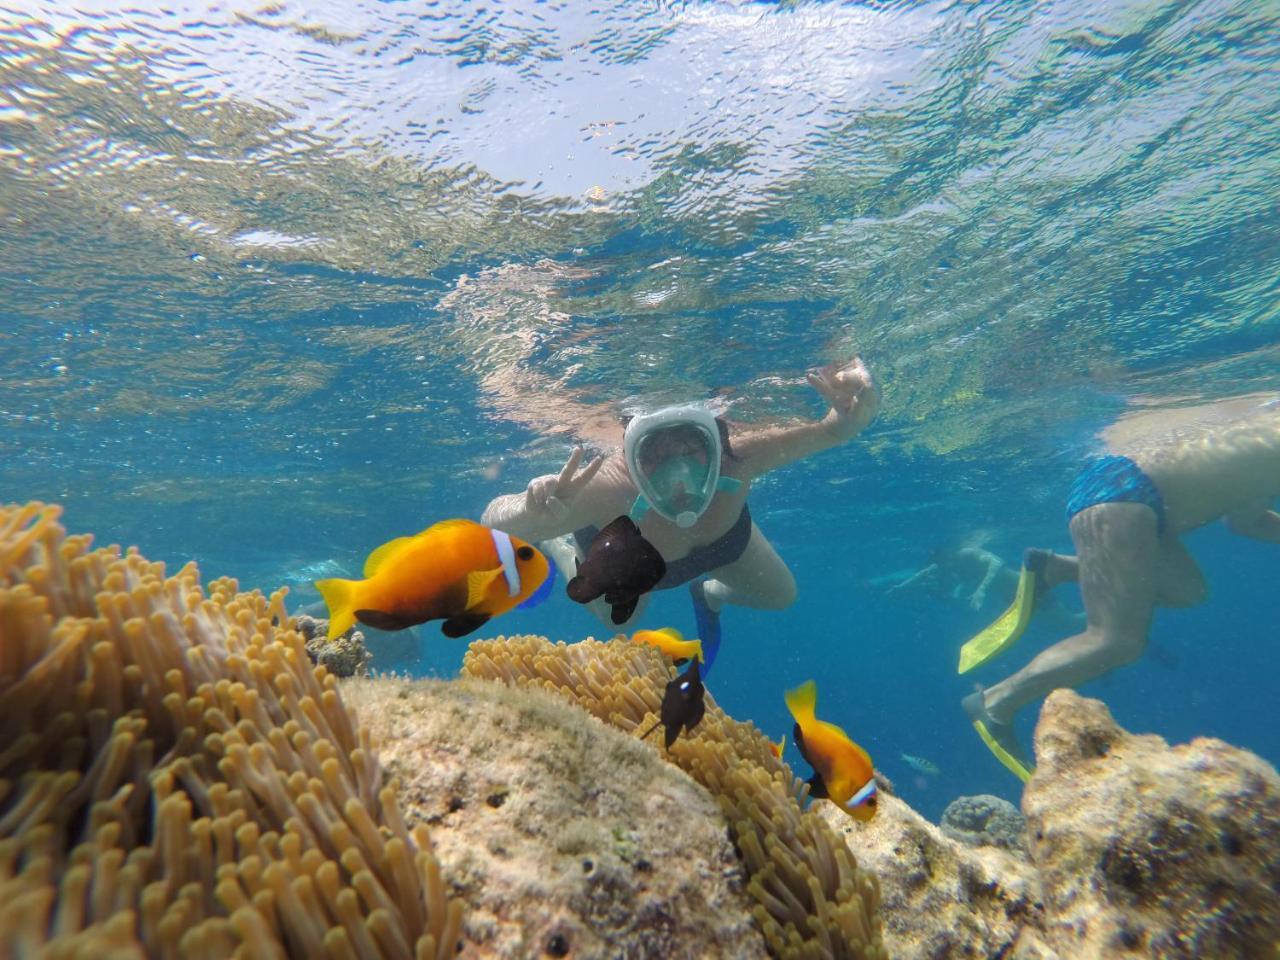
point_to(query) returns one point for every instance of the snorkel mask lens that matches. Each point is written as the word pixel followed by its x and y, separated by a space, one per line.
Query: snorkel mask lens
pixel 677 470
pixel 680 483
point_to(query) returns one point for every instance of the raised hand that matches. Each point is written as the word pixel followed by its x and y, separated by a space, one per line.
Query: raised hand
pixel 848 388
pixel 553 494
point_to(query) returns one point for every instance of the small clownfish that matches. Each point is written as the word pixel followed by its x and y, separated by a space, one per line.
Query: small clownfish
pixel 670 642
pixel 456 570
pixel 777 748
pixel 842 770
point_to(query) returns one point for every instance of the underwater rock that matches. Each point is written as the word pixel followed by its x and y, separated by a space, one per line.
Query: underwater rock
pixel 985 820
pixel 564 836
pixel 1147 850
pixel 812 899
pixel 941 897
pixel 343 656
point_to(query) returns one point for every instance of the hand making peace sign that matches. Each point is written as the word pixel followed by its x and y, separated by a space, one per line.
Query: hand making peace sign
pixel 553 494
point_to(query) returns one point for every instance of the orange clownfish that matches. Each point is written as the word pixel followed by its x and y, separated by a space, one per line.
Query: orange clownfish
pixel 456 570
pixel 670 642
pixel 842 771
pixel 777 748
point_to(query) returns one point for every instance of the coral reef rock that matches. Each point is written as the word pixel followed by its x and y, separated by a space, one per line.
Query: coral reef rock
pixel 566 837
pixel 812 899
pixel 1135 849
pixel 343 656
pixel 985 821
pixel 941 897
pixel 1147 850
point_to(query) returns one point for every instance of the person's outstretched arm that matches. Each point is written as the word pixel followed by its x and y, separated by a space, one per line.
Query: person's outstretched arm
pixel 852 395
pixel 920 575
pixel 548 507
pixel 979 596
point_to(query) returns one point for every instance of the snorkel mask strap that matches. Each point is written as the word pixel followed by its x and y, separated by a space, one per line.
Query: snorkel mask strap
pixel 638 509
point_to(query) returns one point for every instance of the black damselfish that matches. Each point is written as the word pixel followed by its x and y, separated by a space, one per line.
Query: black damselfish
pixel 683 705
pixel 621 566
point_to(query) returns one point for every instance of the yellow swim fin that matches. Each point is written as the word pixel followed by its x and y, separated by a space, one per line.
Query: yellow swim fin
pixel 1011 763
pixel 984 723
pixel 1011 624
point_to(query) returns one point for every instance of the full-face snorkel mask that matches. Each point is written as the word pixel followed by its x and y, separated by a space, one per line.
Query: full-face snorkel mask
pixel 673 456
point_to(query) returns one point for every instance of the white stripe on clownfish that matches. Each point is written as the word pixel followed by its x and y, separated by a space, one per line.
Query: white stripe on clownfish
pixel 507 554
pixel 867 792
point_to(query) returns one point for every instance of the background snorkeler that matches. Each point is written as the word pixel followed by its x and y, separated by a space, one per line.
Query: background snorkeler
pixel 684 478
pixel 1163 474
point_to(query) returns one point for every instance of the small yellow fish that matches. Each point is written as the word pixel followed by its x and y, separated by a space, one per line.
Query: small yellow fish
pixel 842 770
pixel 670 642
pixel 777 748
pixel 456 570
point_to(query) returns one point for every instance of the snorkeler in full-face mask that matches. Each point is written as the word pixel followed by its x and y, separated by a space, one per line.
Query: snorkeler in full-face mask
pixel 682 476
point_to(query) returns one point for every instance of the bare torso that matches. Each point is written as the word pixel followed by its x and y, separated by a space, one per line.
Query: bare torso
pixel 1207 461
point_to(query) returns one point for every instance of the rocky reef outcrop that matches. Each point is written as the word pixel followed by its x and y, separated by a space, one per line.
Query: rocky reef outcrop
pixel 941 897
pixel 812 899
pixel 1147 850
pixel 1135 849
pixel 564 836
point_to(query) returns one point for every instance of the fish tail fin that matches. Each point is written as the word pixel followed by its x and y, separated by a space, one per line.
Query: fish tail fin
pixel 340 597
pixel 803 701
pixel 697 651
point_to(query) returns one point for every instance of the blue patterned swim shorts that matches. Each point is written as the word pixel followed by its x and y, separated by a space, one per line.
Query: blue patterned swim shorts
pixel 1113 479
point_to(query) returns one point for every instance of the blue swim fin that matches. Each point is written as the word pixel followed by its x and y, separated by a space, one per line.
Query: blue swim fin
pixel 708 624
pixel 541 594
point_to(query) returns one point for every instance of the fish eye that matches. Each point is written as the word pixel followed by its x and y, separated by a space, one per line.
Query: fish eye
pixel 525 553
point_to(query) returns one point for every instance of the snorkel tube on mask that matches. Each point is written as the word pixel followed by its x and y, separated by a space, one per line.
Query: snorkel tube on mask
pixel 673 456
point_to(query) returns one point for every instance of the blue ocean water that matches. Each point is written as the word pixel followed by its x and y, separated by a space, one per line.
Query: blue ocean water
pixel 283 282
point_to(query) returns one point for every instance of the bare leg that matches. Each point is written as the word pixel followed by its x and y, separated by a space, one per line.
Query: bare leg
pixel 1061 569
pixel 1118 551
pixel 759 578
pixel 1180 583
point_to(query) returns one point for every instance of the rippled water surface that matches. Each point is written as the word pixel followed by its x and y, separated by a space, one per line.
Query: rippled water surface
pixel 284 280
